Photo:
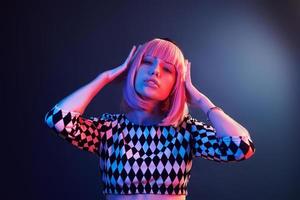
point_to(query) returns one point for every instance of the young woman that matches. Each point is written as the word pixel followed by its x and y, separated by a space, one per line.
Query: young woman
pixel 146 152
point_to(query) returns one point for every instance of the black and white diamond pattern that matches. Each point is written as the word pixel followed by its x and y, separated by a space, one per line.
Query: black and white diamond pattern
pixel 146 159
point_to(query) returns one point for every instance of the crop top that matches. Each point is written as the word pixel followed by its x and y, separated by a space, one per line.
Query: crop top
pixel 143 159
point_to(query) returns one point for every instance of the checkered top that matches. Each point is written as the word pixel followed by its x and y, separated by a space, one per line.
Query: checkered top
pixel 146 159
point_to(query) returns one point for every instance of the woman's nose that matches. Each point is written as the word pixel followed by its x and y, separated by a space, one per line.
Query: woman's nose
pixel 155 69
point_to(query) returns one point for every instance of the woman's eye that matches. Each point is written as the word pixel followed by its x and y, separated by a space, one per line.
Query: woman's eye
pixel 147 62
pixel 167 69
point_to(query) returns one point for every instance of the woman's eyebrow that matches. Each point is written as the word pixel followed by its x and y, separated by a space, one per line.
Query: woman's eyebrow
pixel 168 63
pixel 164 62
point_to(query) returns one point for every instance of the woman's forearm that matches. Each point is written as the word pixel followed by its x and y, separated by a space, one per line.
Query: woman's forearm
pixel 80 99
pixel 223 123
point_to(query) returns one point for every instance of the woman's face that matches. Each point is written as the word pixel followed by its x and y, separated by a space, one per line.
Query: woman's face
pixel 155 78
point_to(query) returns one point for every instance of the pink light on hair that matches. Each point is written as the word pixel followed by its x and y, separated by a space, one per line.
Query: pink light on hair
pixel 174 107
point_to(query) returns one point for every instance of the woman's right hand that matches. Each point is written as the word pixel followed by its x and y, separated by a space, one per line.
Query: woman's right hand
pixel 119 71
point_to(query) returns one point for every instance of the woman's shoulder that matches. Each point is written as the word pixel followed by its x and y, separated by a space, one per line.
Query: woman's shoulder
pixel 188 118
pixel 108 117
pixel 190 121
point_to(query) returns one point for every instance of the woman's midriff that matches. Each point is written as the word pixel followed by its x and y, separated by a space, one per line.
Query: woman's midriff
pixel 145 197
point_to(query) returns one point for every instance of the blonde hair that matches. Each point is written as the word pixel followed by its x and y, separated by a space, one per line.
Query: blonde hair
pixel 174 108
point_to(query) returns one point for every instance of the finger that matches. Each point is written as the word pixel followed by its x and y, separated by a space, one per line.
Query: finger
pixel 132 50
pixel 185 62
pixel 188 71
pixel 139 47
pixel 130 54
pixel 136 51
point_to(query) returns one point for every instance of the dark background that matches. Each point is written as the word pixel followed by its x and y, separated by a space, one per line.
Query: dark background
pixel 245 58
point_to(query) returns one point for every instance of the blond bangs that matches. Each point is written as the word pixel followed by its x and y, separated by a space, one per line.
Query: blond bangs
pixel 164 50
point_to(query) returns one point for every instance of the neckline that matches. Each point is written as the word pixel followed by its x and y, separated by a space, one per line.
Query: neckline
pixel 154 125
pixel 142 125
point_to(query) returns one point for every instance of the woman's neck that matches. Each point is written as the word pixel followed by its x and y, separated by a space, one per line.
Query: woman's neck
pixel 142 117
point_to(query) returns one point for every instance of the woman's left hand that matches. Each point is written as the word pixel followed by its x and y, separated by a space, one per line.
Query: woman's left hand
pixel 194 96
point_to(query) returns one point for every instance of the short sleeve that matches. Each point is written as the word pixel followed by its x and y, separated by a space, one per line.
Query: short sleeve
pixel 205 143
pixel 84 133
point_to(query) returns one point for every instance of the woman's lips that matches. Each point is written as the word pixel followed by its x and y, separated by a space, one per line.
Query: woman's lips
pixel 151 84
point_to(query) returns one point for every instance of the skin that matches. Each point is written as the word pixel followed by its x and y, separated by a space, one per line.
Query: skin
pixel 165 74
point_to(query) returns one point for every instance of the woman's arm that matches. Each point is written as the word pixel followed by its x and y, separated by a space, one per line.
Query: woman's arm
pixel 223 123
pixel 79 100
pixel 224 141
pixel 66 119
pixel 206 144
